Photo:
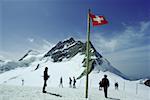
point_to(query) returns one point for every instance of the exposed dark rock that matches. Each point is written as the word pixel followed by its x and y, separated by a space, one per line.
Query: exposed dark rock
pixel 68 49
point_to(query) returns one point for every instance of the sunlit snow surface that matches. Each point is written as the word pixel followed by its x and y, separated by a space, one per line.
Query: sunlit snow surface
pixel 34 93
pixel 32 77
pixel 11 81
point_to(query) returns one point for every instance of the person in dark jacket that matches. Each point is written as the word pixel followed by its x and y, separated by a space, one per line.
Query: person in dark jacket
pixel 46 76
pixel 70 82
pixel 74 82
pixel 116 86
pixel 22 82
pixel 61 82
pixel 105 84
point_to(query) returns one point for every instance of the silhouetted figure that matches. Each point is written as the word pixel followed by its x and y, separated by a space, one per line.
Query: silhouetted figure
pixel 70 82
pixel 61 82
pixel 46 76
pixel 116 86
pixel 22 82
pixel 100 85
pixel 105 84
pixel 74 82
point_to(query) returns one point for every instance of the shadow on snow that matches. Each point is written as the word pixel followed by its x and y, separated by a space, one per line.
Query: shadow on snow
pixel 54 94
pixel 113 98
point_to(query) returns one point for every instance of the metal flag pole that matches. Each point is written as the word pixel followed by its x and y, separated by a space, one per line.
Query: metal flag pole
pixel 87 54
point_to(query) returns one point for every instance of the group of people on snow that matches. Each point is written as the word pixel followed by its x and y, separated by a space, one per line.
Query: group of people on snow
pixel 104 83
pixel 70 82
pixel 46 76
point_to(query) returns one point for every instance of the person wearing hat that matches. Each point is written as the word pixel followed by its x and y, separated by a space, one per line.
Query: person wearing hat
pixel 46 76
pixel 105 84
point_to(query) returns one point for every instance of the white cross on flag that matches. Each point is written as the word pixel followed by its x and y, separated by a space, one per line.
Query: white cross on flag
pixel 98 20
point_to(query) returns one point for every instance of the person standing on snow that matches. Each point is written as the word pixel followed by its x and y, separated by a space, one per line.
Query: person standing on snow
pixel 74 82
pixel 70 82
pixel 116 86
pixel 105 84
pixel 22 82
pixel 61 82
pixel 46 76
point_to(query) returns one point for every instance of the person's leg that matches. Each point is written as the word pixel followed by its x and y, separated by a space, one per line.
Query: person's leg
pixel 45 83
pixel 44 86
pixel 74 86
pixel 105 92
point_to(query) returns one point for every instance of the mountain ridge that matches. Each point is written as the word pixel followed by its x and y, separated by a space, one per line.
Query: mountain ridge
pixel 65 50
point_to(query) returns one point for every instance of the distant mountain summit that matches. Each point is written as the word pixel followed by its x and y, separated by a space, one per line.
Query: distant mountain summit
pixel 65 51
pixel 24 61
pixel 69 48
pixel 30 52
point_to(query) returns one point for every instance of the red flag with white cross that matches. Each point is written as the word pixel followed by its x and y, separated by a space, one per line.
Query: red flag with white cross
pixel 98 20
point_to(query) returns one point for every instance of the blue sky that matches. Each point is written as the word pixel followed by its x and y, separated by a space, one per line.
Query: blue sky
pixel 39 24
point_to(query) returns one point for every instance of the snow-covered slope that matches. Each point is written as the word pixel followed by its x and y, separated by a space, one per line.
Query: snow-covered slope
pixel 29 53
pixel 64 50
pixel 34 79
pixel 66 59
pixel 56 70
pixel 34 93
pixel 26 61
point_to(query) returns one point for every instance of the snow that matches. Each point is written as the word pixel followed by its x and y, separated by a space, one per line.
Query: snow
pixel 65 69
pixel 34 93
pixel 11 81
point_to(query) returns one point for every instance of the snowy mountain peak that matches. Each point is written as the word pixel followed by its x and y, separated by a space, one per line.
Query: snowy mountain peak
pixel 72 52
pixel 66 49
pixel 69 48
pixel 30 52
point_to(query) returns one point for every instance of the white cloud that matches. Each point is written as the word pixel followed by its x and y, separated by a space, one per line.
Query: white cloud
pixel 2 57
pixel 46 45
pixel 39 44
pixel 131 36
pixel 144 26
pixel 31 40
pixel 104 44
pixel 129 50
pixel 9 55
pixel 132 62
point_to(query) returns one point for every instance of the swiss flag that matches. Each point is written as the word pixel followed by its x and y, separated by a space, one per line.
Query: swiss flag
pixel 98 20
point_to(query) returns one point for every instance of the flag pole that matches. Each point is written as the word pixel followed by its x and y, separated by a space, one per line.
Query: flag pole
pixel 87 54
